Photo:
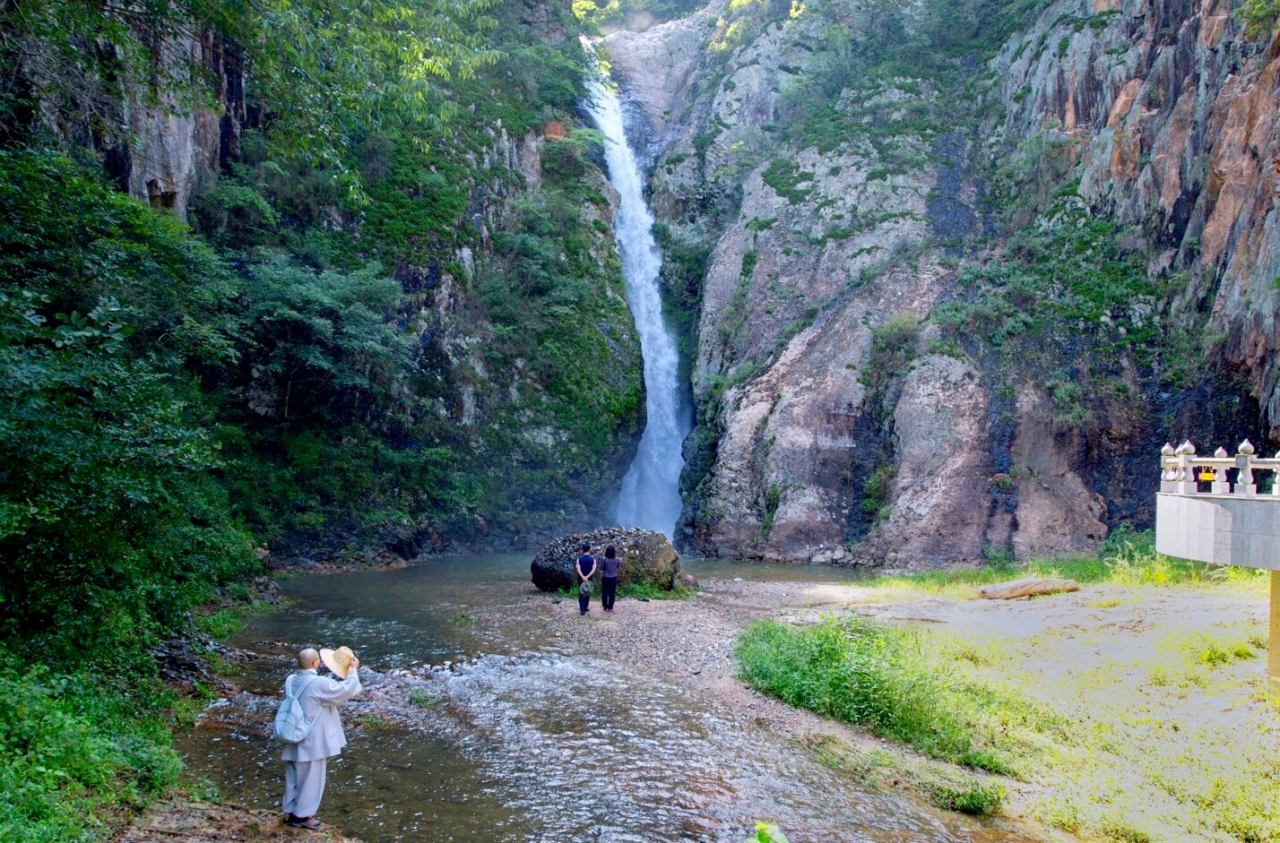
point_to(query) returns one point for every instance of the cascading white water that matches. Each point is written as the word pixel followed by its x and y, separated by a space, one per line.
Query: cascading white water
pixel 650 495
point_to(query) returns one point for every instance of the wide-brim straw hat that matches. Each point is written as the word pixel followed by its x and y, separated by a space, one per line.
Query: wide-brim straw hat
pixel 339 660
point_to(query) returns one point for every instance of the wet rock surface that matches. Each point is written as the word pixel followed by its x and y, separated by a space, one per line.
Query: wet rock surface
pixel 647 557
pixel 181 821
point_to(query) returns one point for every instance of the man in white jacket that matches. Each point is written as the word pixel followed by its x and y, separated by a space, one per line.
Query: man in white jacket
pixel 305 761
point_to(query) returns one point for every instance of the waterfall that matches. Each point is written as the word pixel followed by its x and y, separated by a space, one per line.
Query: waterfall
pixel 650 494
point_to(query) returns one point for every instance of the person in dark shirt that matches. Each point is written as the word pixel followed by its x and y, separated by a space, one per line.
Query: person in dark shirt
pixel 609 577
pixel 586 568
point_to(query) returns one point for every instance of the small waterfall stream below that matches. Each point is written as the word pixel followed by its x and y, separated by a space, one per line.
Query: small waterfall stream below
pixel 526 742
pixel 650 495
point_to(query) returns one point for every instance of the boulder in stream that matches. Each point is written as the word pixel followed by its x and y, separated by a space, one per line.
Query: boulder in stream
pixel 647 557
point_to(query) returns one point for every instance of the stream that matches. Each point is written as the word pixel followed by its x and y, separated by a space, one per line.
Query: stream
pixel 519 741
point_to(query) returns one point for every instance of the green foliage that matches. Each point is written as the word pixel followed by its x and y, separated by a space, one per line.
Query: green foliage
pixel 320 347
pixel 1066 280
pixel 875 494
pixel 879 677
pixel 684 266
pixel 234 213
pixel 893 347
pixel 895 48
pixel 220 624
pixel 767 833
pixel 971 797
pixel 652 591
pixel 313 60
pixel 772 499
pixel 785 177
pixel 73 750
pixel 111 524
pixel 1128 558
pixel 1259 17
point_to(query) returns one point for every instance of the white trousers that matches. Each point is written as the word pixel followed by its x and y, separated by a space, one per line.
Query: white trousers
pixel 303 787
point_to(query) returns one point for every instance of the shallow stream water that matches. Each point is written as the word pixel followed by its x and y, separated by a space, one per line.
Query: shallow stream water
pixel 525 743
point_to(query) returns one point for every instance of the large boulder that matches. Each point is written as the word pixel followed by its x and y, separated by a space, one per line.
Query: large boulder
pixel 647 557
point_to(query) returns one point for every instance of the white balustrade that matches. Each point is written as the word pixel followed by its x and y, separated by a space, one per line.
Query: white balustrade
pixel 1182 472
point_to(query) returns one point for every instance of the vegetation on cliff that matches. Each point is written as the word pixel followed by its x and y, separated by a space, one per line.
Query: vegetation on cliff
pixel 397 315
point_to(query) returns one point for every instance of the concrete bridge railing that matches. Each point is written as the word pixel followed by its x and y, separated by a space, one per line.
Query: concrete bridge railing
pixel 1210 509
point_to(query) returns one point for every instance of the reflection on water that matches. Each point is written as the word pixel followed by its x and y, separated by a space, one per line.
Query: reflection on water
pixel 529 744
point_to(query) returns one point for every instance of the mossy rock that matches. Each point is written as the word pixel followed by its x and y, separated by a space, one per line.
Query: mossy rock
pixel 647 557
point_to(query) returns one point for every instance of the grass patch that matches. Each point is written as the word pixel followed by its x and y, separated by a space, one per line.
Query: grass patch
pixel 881 678
pixel 635 591
pixel 971 797
pixel 649 591
pixel 1129 559
pixel 1213 649
pixel 883 769
pixel 422 699
pixel 220 624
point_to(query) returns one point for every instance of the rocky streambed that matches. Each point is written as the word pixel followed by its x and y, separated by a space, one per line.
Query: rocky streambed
pixel 495 713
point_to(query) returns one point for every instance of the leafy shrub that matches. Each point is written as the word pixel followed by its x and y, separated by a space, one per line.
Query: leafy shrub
pixel 1259 17
pixel 767 833
pixel 71 749
pixel 969 797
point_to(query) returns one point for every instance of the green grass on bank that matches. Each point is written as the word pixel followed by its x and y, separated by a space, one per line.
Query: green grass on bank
pixel 636 591
pixel 1132 722
pixel 1127 559
pixel 884 679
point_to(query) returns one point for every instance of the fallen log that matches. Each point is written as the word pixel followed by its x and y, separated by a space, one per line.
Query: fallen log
pixel 1027 587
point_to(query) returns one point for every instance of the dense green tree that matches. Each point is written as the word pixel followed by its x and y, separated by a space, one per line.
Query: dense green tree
pixel 111 524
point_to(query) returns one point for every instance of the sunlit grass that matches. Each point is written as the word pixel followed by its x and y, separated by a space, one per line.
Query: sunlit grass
pixel 1129 560
pixel 1169 736
pixel 885 679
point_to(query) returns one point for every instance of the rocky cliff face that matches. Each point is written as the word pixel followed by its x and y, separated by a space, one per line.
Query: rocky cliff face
pixel 164 143
pixel 960 293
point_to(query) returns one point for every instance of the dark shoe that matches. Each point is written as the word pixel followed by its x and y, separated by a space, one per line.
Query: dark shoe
pixel 309 823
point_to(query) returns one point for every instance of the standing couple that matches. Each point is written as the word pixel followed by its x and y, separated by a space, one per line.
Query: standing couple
pixel 586 569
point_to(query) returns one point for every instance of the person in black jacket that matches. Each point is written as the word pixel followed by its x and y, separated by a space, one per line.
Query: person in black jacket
pixel 586 569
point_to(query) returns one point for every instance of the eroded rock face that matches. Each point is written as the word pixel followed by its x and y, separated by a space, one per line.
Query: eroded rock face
pixel 1174 115
pixel 806 450
pixel 941 501
pixel 660 62
pixel 647 557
